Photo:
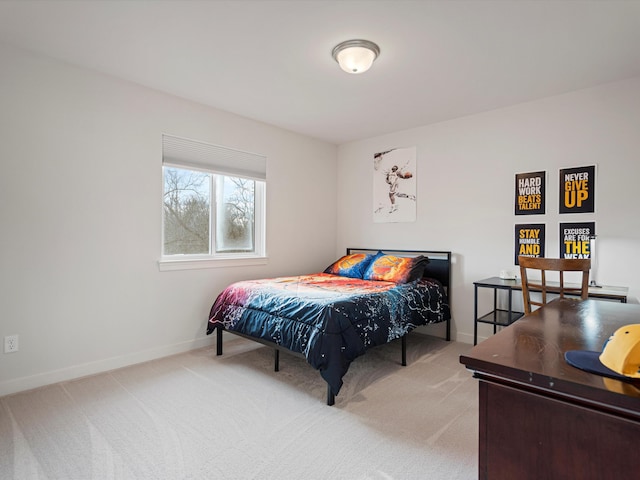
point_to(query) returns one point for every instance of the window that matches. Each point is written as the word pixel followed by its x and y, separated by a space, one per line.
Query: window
pixel 213 205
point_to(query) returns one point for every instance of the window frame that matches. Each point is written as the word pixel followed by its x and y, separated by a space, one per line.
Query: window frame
pixel 213 259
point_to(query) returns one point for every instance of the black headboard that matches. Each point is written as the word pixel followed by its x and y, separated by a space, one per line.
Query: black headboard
pixel 438 268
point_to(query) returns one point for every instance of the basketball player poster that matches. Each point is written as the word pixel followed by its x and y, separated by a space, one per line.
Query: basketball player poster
pixel 394 185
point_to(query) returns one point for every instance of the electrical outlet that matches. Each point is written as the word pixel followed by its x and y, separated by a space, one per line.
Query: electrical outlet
pixel 10 343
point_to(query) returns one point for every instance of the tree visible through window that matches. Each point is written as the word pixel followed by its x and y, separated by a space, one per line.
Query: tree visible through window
pixel 189 217
pixel 236 226
pixel 187 201
pixel 214 205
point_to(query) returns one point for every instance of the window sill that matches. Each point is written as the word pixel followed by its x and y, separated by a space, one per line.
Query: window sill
pixel 166 265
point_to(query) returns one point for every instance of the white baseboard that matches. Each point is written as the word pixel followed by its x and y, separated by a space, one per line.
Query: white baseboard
pixel 467 338
pixel 76 371
pixel 438 329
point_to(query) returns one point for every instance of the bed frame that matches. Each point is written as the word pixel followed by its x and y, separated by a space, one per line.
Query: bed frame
pixel 438 268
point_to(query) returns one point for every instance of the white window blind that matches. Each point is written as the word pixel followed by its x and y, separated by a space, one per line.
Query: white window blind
pixel 200 155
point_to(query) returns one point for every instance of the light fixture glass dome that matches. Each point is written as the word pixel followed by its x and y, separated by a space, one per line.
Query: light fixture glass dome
pixel 356 56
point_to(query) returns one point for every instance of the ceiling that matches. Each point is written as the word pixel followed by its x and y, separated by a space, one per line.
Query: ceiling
pixel 271 60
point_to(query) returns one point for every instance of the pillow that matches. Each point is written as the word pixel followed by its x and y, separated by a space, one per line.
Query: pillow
pixel 390 268
pixel 352 266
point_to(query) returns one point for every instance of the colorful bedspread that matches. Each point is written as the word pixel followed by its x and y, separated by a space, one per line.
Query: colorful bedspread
pixel 330 319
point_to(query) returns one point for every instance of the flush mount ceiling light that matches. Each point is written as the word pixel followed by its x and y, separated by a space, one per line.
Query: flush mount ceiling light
pixel 355 56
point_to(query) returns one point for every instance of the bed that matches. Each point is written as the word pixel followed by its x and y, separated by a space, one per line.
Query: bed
pixel 367 298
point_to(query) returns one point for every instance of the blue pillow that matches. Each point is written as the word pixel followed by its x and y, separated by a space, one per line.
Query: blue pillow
pixel 353 265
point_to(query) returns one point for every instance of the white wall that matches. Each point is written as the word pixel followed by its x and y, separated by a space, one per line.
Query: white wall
pixel 80 207
pixel 80 210
pixel 465 183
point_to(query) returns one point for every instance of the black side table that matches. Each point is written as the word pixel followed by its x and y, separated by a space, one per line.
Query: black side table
pixel 496 317
pixel 502 318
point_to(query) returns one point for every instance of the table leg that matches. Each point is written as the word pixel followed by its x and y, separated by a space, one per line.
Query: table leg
pixel 475 315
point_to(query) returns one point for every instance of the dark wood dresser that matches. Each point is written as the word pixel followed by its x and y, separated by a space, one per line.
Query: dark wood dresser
pixel 541 418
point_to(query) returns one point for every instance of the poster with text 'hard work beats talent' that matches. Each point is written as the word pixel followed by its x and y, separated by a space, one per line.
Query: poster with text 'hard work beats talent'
pixel 530 193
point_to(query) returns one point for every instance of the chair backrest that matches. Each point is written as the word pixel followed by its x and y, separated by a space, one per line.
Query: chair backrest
pixel 544 265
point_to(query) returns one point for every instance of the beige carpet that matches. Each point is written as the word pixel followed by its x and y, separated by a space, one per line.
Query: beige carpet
pixel 198 416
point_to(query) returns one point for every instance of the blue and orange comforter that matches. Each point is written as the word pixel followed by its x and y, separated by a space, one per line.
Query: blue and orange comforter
pixel 330 319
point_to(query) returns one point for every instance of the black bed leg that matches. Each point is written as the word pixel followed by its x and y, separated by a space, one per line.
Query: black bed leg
pixel 276 360
pixel 219 341
pixel 448 330
pixel 331 399
pixel 404 350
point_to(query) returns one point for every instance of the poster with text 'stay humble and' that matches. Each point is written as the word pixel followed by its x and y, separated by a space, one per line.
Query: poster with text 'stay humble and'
pixel 529 240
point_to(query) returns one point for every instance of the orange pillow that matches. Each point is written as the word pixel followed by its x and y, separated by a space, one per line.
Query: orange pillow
pixel 390 268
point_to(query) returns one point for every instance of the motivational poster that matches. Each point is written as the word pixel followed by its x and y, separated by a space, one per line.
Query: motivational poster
pixel 577 190
pixel 575 239
pixel 529 240
pixel 530 193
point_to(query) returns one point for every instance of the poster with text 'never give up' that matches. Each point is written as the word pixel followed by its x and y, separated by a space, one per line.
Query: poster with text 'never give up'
pixel 577 190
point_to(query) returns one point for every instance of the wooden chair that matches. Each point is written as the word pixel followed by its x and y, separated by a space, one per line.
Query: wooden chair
pixel 544 265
